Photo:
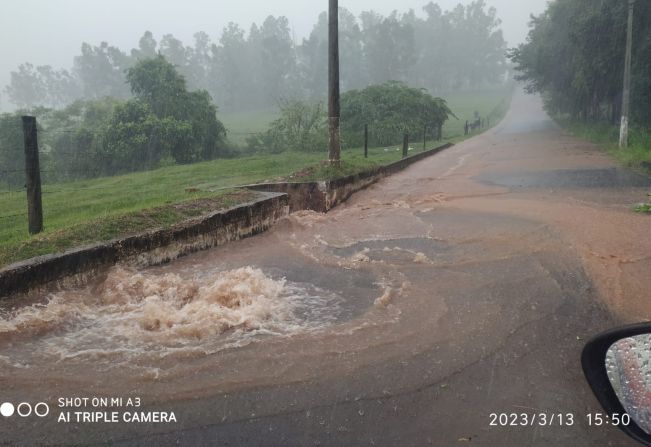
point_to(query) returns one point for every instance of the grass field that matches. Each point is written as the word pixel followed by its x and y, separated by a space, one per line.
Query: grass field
pixel 100 209
pixel 241 125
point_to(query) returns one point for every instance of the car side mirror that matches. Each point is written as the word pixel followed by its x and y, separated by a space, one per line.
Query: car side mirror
pixel 617 365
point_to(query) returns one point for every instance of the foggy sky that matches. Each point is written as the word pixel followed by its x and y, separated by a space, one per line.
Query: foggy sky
pixel 50 32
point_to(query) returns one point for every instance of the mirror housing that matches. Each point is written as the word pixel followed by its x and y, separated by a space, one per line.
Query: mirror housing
pixel 593 361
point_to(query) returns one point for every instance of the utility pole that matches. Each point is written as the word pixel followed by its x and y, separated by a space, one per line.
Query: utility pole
pixel 626 100
pixel 334 146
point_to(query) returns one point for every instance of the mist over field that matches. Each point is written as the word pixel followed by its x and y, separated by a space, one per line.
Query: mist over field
pixel 51 33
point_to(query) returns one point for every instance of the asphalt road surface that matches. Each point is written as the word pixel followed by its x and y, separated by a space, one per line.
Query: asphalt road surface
pixel 456 291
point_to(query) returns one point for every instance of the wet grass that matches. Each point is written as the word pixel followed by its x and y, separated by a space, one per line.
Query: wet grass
pixel 644 208
pixel 241 125
pixel 489 103
pixel 113 226
pixel 82 212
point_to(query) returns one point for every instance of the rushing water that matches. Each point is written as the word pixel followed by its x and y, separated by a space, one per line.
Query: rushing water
pixel 129 315
pixel 430 282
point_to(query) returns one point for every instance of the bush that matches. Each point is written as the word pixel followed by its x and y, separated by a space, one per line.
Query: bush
pixel 302 126
pixel 390 110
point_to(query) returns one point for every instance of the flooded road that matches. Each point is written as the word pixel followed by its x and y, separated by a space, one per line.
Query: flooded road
pixel 464 286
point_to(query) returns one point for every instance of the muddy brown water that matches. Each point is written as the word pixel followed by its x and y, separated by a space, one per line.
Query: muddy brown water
pixel 464 286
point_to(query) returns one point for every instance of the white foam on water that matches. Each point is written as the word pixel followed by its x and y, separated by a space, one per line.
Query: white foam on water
pixel 133 314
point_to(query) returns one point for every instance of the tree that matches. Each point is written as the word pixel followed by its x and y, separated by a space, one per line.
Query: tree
pixel 313 55
pixel 589 38
pixel 130 142
pixel 42 86
pixel 156 83
pixel 389 46
pixel 390 110
pixel 146 47
pixel 199 61
pixel 275 53
pixel 12 154
pixel 302 126
pixel 232 81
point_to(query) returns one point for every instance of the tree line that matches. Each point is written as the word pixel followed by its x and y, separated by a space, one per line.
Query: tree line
pixel 163 123
pixel 574 56
pixel 441 51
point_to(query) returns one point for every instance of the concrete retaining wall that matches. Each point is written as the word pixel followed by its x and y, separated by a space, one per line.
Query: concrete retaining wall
pixel 209 231
pixel 325 195
pixel 149 248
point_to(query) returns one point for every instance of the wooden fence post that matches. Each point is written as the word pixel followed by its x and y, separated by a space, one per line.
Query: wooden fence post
pixel 33 176
pixel 405 146
pixel 425 137
pixel 365 140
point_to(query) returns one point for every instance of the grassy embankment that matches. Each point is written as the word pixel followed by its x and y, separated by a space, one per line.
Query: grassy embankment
pixel 637 155
pixel 83 212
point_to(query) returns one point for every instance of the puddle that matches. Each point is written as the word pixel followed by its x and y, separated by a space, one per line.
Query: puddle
pixel 569 178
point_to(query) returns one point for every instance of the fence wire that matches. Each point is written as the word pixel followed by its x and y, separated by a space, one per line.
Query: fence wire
pixel 79 168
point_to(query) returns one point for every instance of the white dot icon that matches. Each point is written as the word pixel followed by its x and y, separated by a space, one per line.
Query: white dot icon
pixel 7 409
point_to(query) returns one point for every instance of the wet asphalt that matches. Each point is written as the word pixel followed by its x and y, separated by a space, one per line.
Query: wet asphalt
pixel 494 253
pixel 512 331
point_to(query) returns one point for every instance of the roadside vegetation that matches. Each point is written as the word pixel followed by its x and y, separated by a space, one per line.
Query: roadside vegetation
pixel 584 92
pixel 126 136
pixel 90 210
pixel 606 135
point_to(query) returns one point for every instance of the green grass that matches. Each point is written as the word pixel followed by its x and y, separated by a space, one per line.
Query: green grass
pixel 100 209
pixel 111 226
pixel 241 125
pixel 489 103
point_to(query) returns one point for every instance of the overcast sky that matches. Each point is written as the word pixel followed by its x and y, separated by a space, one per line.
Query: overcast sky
pixel 50 32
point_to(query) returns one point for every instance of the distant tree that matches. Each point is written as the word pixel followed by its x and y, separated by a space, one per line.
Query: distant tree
pixel 199 62
pixel 42 86
pixel 101 71
pixel 176 54
pixel 313 55
pixel 233 77
pixel 389 47
pixel 441 51
pixel 146 47
pixel 12 155
pixel 26 89
pixel 275 53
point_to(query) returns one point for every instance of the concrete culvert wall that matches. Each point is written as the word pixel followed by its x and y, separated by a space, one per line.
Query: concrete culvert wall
pixel 164 245
pixel 153 247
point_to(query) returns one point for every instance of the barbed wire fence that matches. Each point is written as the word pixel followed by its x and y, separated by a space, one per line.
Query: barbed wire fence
pixel 67 160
